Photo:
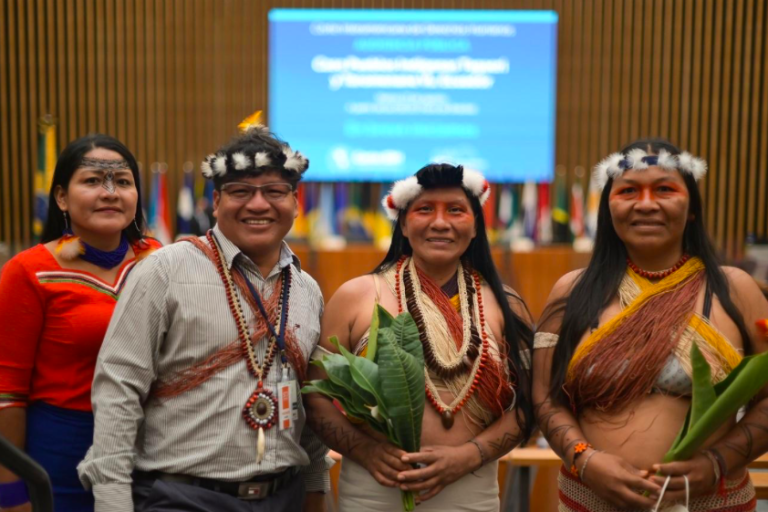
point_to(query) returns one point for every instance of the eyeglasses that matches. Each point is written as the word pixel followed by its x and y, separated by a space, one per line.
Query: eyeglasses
pixel 244 192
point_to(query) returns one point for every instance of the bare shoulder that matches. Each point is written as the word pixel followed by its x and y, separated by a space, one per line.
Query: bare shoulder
pixel 354 291
pixel 743 286
pixel 517 305
pixel 565 284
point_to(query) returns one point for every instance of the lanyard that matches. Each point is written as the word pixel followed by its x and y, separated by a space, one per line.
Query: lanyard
pixel 279 337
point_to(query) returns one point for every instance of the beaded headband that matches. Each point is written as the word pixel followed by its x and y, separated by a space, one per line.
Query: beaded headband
pixel 638 159
pixel 405 191
pixel 220 163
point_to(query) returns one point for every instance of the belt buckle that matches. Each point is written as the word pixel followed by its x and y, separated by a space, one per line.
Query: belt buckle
pixel 253 490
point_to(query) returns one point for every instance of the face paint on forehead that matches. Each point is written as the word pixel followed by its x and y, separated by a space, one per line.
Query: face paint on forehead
pixel 100 163
pixel 108 167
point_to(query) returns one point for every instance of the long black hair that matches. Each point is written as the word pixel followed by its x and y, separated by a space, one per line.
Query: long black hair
pixel 517 334
pixel 69 161
pixel 598 284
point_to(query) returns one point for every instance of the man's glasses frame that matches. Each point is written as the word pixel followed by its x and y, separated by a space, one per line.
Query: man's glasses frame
pixel 273 192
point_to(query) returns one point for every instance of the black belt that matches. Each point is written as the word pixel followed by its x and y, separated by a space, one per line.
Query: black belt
pixel 257 488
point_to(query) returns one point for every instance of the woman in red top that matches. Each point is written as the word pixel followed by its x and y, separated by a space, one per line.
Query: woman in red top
pixel 56 300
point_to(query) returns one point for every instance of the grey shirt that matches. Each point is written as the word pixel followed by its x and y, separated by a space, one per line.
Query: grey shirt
pixel 172 314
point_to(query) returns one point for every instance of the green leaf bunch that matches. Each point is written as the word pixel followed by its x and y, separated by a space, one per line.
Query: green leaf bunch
pixel 714 405
pixel 385 389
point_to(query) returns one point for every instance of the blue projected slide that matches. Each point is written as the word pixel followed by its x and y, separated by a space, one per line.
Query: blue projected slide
pixel 374 95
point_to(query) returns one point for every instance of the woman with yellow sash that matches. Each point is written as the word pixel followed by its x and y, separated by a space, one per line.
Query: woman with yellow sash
pixel 612 360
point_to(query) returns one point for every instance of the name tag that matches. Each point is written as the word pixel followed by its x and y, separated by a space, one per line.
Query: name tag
pixel 287 404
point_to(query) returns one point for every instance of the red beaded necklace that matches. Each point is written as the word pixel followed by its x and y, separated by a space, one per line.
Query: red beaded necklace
pixel 447 412
pixel 658 274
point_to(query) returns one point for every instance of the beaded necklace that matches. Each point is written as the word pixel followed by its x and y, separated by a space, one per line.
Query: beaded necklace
pixel 658 274
pixel 71 246
pixel 260 411
pixel 473 344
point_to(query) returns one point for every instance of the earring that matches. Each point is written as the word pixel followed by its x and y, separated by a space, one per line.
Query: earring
pixel 136 224
pixel 66 222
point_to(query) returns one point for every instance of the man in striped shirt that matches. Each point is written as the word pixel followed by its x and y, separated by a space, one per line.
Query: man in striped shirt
pixel 195 395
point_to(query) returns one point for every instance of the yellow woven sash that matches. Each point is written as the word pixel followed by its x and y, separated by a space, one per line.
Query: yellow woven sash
pixel 716 348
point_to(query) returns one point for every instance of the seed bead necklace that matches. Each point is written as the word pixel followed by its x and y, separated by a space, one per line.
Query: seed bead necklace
pixel 658 274
pixel 407 296
pixel 260 411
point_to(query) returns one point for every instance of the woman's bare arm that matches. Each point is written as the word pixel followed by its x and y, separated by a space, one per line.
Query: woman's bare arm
pixel 381 459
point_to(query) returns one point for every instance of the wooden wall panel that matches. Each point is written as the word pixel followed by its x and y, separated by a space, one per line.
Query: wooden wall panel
pixel 172 78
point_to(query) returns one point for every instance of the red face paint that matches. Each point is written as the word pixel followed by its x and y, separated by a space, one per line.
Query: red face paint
pixel 449 211
pixel 657 191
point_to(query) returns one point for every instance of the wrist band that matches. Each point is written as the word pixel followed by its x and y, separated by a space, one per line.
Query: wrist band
pixel 584 466
pixel 580 448
pixel 715 465
pixel 13 494
pixel 479 449
pixel 721 490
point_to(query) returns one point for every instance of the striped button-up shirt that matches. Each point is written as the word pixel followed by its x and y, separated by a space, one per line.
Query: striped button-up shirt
pixel 172 314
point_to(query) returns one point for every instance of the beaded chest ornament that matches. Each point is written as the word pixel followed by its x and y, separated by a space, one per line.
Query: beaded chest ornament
pixel 260 411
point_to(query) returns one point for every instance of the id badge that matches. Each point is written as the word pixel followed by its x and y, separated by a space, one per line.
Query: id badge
pixel 288 405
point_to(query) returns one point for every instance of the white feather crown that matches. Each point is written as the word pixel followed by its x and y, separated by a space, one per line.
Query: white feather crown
pixel 638 159
pixel 405 191
pixel 218 164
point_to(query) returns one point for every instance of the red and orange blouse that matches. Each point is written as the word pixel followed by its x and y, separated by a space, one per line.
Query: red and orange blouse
pixel 52 323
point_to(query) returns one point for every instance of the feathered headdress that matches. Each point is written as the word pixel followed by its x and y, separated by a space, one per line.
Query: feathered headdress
pixel 221 162
pixel 638 159
pixel 405 191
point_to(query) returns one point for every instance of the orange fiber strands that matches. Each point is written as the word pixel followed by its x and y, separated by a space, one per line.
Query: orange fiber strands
pixel 624 365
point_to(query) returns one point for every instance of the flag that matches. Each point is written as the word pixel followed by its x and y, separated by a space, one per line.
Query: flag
pixel 577 209
pixel 560 218
pixel 529 210
pixel 355 228
pixel 544 216
pixel 504 215
pixel 46 163
pixel 593 205
pixel 489 214
pixel 299 229
pixel 340 205
pixel 581 243
pixel 509 220
pixel 185 206
pixel 310 208
pixel 380 225
pixel 516 228
pixel 323 220
pixel 159 216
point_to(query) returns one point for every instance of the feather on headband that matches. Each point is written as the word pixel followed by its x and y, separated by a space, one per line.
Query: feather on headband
pixel 405 191
pixel 637 159
pixel 218 164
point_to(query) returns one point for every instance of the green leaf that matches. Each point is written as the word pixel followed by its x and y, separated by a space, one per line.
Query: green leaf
pixel 365 374
pixel 743 383
pixel 339 373
pixel 407 335
pixel 385 319
pixel 373 334
pixel 703 392
pixel 325 387
pixel 402 387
